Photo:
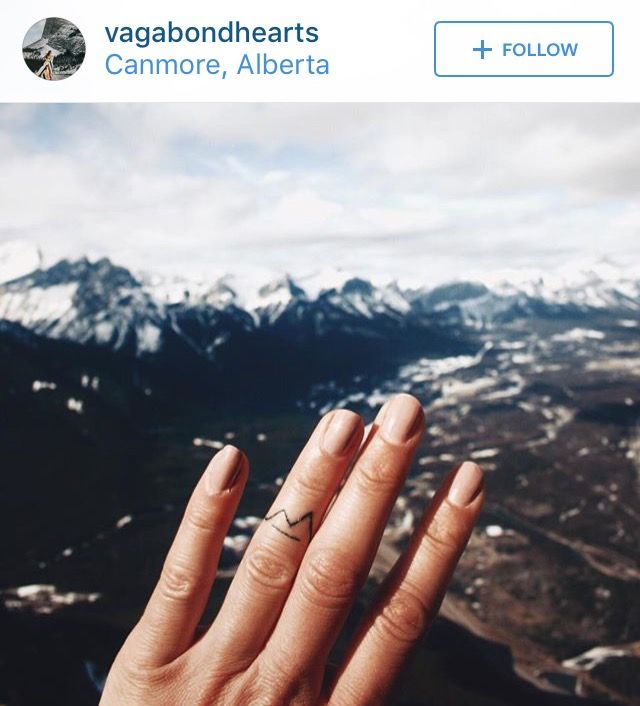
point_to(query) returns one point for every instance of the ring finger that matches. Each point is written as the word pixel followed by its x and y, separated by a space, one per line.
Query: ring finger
pixel 267 571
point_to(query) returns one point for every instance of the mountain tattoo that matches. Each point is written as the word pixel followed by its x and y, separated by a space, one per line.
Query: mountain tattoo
pixel 294 529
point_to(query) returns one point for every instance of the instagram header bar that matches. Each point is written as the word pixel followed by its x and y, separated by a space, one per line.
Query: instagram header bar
pixel 413 51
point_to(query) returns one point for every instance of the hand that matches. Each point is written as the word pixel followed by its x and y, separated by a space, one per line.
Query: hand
pixel 299 577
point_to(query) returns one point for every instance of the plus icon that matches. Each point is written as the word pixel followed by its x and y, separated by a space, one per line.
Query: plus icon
pixel 482 49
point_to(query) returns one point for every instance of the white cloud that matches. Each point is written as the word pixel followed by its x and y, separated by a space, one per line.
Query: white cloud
pixel 404 191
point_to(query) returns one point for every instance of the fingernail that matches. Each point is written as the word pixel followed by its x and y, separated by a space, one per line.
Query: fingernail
pixel 381 414
pixel 466 484
pixel 340 432
pixel 402 419
pixel 223 470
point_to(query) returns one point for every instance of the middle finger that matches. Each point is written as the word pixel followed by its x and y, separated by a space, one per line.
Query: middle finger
pixel 340 555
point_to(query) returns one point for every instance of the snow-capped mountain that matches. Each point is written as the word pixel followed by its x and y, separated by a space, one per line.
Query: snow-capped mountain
pixel 361 298
pixel 479 305
pixel 61 38
pixel 280 298
pixel 86 302
pixel 100 303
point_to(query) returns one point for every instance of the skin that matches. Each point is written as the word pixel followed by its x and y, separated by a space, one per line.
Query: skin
pixel 299 577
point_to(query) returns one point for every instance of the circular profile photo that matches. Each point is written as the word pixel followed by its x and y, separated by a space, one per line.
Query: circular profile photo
pixel 53 49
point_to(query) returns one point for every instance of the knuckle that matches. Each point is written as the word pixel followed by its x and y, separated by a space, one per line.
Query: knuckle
pixel 269 683
pixel 441 537
pixel 200 518
pixel 134 673
pixel 376 474
pixel 307 480
pixel 404 617
pixel 196 691
pixel 178 583
pixel 276 682
pixel 329 579
pixel 140 677
pixel 269 570
pixel 350 693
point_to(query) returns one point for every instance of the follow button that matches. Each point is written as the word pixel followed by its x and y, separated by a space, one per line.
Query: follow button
pixel 519 48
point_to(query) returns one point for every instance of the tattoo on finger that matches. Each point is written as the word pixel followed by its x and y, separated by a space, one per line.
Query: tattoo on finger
pixel 298 529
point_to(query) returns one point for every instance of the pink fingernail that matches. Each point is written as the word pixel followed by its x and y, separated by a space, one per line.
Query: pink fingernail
pixel 466 484
pixel 223 470
pixel 339 433
pixel 402 419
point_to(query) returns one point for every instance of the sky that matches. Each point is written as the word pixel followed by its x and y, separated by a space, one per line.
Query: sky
pixel 418 193
pixel 34 33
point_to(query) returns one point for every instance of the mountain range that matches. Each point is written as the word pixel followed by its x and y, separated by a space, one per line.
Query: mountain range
pixel 99 303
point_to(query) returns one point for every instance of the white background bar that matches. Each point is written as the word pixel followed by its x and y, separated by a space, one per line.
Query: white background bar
pixel 376 51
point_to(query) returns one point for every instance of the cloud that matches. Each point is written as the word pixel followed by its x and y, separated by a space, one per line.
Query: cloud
pixel 397 191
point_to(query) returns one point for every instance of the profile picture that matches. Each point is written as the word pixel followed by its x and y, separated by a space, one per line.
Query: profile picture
pixel 53 49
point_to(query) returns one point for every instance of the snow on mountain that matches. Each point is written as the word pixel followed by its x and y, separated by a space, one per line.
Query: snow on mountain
pixel 580 289
pixel 359 297
pixel 277 298
pixel 220 296
pixel 97 302
pixel 36 307
pixel 599 284
pixel 87 302
pixel 323 280
pixel 175 289
pixel 589 291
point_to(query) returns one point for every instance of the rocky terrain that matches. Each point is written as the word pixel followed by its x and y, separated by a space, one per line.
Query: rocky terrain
pixel 117 387
pixel 553 569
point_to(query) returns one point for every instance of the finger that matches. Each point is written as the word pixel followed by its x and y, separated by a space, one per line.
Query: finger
pixel 265 575
pixel 412 594
pixel 341 553
pixel 168 624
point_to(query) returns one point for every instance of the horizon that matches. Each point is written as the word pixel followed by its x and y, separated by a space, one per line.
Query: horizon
pixel 22 258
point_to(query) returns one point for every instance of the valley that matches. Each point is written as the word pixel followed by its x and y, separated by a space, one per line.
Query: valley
pixel 115 391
